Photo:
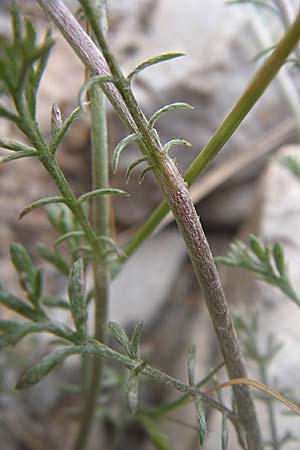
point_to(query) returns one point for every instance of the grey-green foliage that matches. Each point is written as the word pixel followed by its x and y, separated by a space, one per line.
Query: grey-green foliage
pixel 266 261
pixel 22 62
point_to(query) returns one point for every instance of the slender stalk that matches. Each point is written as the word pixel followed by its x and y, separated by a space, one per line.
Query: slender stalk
pixel 101 225
pixel 271 412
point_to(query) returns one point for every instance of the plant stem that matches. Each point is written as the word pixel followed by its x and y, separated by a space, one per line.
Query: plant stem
pixel 271 413
pixel 94 61
pixel 101 225
pixel 100 220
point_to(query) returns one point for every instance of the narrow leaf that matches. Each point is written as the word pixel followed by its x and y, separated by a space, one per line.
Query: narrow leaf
pixel 121 146
pixel 98 192
pixel 87 86
pixel 64 129
pixel 76 289
pixel 39 203
pixel 54 258
pixel 133 165
pixel 26 271
pixel 263 52
pixel 56 122
pixel 279 259
pixel 259 3
pixel 201 420
pixel 171 107
pixel 258 248
pixel 152 61
pixel 54 302
pixel 15 146
pixel 173 142
pixel 119 334
pixel 225 433
pixel 191 364
pixel 144 173
pixel 21 330
pixel 69 235
pixel 15 304
pixel 45 365
pixel 135 340
pixel 18 155
pixel 154 433
pixel 114 248
pixel 132 392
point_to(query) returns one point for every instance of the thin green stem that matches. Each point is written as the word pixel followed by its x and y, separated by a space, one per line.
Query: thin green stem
pixel 271 412
pixel 101 225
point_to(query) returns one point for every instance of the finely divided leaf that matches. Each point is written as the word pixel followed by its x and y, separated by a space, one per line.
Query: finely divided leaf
pixel 98 192
pixel 76 290
pixel 171 107
pixel 201 420
pixel 152 61
pixel 119 334
pixel 121 146
pixel 135 340
pixel 45 365
pixel 39 203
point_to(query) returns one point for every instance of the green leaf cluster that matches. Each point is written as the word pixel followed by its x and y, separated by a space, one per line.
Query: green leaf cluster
pixel 265 261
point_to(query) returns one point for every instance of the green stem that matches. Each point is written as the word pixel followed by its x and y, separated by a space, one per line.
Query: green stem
pixel 100 219
pixel 101 225
pixel 271 413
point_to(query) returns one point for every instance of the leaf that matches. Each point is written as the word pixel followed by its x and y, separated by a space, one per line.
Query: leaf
pixel 15 304
pixel 292 163
pixel 258 248
pixel 144 173
pixel 279 259
pixel 97 79
pixel 133 165
pixel 29 276
pixel 152 61
pixel 39 203
pixel 259 3
pixel 16 22
pixel 171 107
pixel 56 122
pixel 69 235
pixel 154 433
pixel 132 387
pixel 54 258
pixel 201 420
pixel 225 433
pixel 64 129
pixel 114 248
pixel 15 146
pixel 121 146
pixel 46 365
pixel 76 290
pixel 191 364
pixel 135 340
pixel 132 390
pixel 263 52
pixel 20 331
pixel 18 155
pixel 54 302
pixel 119 334
pixel 104 191
pixel 173 142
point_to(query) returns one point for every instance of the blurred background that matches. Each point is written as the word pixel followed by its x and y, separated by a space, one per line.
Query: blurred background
pixel 244 191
